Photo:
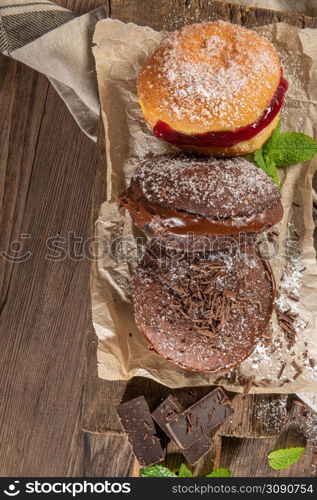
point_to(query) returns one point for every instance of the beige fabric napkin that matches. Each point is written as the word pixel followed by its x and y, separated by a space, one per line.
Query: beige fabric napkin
pixel 56 42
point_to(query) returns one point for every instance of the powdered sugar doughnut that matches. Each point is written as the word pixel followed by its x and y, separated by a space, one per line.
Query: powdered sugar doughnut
pixel 214 88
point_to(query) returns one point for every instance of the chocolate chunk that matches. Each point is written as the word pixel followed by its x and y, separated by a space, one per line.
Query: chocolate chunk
pixel 136 420
pixel 167 411
pixel 200 418
pixel 197 450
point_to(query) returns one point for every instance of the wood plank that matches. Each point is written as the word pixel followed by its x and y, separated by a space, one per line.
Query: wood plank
pixel 248 458
pixel 46 177
pixel 19 137
pixel 108 455
pixel 50 170
pixel 238 454
pixel 257 415
pixel 173 15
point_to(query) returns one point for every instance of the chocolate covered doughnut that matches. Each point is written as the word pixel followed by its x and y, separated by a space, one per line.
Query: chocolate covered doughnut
pixel 186 197
pixel 205 313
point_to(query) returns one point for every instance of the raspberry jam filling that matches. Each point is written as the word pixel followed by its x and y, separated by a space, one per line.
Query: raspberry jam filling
pixel 228 138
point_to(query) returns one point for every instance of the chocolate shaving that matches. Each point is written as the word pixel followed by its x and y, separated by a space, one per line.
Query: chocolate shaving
pixel 265 381
pixel 219 379
pixel 298 402
pixel 280 373
pixel 291 297
pixel 298 370
pixel 286 320
pixel 230 294
pixel 296 366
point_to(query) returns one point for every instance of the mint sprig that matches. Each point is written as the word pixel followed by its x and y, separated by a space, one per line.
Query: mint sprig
pixel 283 149
pixel 265 163
pixel 285 457
pixel 157 471
pixel 220 473
pixel 290 148
pixel 184 471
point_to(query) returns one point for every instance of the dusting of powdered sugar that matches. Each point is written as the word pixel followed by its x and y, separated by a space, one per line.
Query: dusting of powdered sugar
pixel 289 289
pixel 191 309
pixel 221 188
pixel 205 81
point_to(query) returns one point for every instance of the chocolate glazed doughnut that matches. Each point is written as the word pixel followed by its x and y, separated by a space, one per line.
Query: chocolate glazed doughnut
pixel 201 203
pixel 206 313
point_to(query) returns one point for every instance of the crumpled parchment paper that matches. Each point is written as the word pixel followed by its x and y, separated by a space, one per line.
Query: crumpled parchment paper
pixel 119 51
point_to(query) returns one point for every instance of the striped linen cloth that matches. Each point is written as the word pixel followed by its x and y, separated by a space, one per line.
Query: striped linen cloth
pixel 21 22
pixel 56 42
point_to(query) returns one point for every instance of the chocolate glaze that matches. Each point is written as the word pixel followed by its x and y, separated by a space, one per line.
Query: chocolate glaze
pixel 227 138
pixel 182 223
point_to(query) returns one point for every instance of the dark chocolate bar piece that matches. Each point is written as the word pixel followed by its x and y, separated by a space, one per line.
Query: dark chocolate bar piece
pixel 168 410
pixel 200 418
pixel 197 450
pixel 136 420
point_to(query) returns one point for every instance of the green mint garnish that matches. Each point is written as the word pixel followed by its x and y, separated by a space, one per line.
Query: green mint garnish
pixel 272 140
pixel 157 471
pixel 161 471
pixel 290 148
pixel 283 149
pixel 283 458
pixel 184 471
pixel 265 163
pixel 220 473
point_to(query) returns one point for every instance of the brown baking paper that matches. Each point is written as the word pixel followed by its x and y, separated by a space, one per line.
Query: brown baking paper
pixel 120 49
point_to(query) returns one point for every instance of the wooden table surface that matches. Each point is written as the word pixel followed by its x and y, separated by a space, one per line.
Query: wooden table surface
pixel 57 417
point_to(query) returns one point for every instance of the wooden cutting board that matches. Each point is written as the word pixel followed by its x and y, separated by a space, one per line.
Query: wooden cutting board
pixel 256 416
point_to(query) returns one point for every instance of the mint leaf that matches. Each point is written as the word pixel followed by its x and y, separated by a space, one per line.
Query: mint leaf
pixel 289 148
pixel 272 140
pixel 283 458
pixel 259 159
pixel 271 170
pixel 157 471
pixel 184 471
pixel 264 162
pixel 220 473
